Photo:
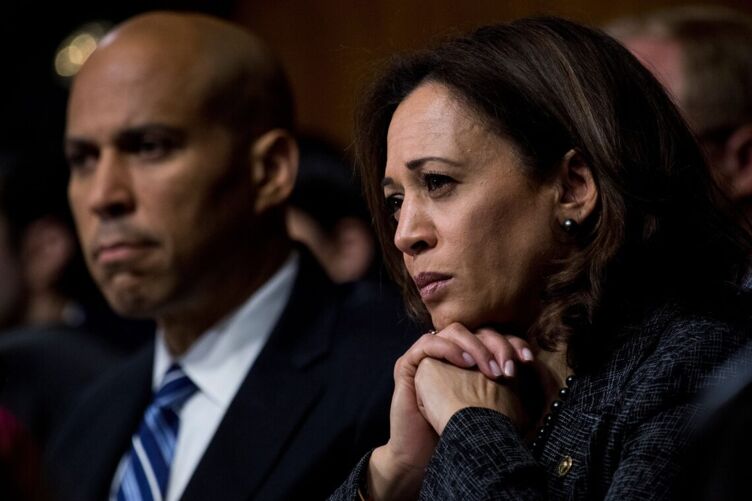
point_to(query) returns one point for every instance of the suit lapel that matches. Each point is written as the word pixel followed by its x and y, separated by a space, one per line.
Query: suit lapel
pixel 107 435
pixel 286 379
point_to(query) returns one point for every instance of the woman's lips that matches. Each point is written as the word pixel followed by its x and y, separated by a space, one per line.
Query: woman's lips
pixel 430 284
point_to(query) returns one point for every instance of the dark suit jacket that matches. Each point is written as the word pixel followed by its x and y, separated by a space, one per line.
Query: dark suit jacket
pixel 315 400
pixel 44 369
pixel 623 428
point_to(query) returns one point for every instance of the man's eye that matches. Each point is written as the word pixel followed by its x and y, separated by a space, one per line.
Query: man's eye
pixel 80 160
pixel 154 148
pixel 393 204
pixel 148 146
pixel 435 182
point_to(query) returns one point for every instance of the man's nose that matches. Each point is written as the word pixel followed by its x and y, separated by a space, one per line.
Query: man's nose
pixel 112 194
pixel 415 231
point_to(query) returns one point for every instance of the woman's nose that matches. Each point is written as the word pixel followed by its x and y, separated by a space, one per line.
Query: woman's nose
pixel 415 231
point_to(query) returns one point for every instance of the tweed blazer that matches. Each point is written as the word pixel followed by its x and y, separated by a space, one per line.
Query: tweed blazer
pixel 619 436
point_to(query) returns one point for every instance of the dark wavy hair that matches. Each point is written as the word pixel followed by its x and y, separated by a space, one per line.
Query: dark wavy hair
pixel 661 228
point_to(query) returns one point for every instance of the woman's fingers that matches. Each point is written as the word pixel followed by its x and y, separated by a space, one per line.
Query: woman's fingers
pixel 494 354
pixel 508 350
pixel 474 350
pixel 433 346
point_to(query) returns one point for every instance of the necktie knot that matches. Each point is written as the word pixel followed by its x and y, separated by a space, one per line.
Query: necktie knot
pixel 175 389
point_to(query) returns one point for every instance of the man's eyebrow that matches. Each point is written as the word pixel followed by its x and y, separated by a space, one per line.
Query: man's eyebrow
pixel 129 133
pixel 78 145
pixel 149 128
pixel 73 141
pixel 419 162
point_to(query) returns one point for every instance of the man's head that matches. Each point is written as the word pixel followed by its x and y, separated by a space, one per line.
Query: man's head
pixel 181 161
pixel 703 56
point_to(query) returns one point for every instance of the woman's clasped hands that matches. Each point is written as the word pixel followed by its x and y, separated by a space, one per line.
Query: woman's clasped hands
pixel 442 373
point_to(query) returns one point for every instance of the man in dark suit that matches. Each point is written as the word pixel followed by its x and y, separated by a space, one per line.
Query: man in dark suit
pixel 265 381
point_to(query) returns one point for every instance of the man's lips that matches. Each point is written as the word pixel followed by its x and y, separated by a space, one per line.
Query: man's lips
pixel 120 251
pixel 429 283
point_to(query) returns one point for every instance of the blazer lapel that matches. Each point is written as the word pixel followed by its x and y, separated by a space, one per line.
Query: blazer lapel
pixel 283 383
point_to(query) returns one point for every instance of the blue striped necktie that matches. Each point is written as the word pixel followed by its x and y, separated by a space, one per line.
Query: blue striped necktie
pixel 147 469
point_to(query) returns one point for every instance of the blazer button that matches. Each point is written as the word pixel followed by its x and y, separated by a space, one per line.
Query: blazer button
pixel 564 466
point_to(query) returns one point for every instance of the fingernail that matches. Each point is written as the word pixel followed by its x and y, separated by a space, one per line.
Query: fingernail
pixel 495 370
pixel 468 359
pixel 509 368
pixel 527 355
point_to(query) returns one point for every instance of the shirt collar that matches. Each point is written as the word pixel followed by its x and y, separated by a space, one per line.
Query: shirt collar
pixel 222 356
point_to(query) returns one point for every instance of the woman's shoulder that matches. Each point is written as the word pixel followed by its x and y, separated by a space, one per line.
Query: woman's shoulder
pixel 679 349
pixel 672 349
pixel 675 332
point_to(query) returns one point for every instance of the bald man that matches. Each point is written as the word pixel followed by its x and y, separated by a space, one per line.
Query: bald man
pixel 265 380
pixel 702 54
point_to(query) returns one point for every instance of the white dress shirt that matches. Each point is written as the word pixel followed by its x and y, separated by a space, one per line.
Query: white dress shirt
pixel 217 364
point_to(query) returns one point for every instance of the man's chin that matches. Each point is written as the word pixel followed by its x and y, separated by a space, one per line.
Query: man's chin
pixel 130 304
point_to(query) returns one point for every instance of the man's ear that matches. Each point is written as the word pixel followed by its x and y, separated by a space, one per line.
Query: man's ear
pixel 736 164
pixel 274 160
pixel 47 246
pixel 577 191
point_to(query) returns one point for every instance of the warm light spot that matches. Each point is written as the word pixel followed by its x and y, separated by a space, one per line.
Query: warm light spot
pixel 85 44
pixel 76 49
pixel 64 65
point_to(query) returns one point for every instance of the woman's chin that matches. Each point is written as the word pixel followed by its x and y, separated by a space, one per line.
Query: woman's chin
pixel 443 318
pixel 445 315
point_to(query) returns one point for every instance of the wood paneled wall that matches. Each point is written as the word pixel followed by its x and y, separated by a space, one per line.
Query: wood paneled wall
pixel 331 47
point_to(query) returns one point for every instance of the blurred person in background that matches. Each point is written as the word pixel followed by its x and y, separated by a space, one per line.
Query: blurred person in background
pixel 53 333
pixel 38 248
pixel 328 214
pixel 703 57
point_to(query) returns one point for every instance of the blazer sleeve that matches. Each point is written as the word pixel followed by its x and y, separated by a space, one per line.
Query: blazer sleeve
pixel 480 456
pixel 348 491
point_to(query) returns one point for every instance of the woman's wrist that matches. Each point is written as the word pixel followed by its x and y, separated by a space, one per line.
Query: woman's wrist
pixel 390 478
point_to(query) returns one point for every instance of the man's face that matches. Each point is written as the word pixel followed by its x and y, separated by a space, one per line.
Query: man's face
pixel 158 192
pixel 663 57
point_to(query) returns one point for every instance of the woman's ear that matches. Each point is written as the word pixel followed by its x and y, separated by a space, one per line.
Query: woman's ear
pixel 274 160
pixel 578 193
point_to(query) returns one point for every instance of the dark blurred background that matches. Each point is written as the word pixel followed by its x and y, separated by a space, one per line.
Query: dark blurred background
pixel 328 46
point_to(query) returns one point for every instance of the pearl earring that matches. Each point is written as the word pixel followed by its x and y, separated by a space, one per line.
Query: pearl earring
pixel 569 225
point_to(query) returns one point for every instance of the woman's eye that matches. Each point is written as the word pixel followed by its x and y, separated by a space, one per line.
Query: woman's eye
pixel 435 182
pixel 393 204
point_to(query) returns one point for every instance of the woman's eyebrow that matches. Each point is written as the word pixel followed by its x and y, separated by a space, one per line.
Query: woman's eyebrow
pixel 419 162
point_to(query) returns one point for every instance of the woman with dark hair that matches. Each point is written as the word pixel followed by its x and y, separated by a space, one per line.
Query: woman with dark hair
pixel 545 208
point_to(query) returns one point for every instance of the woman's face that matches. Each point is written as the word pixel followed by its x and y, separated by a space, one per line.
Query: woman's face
pixel 475 232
